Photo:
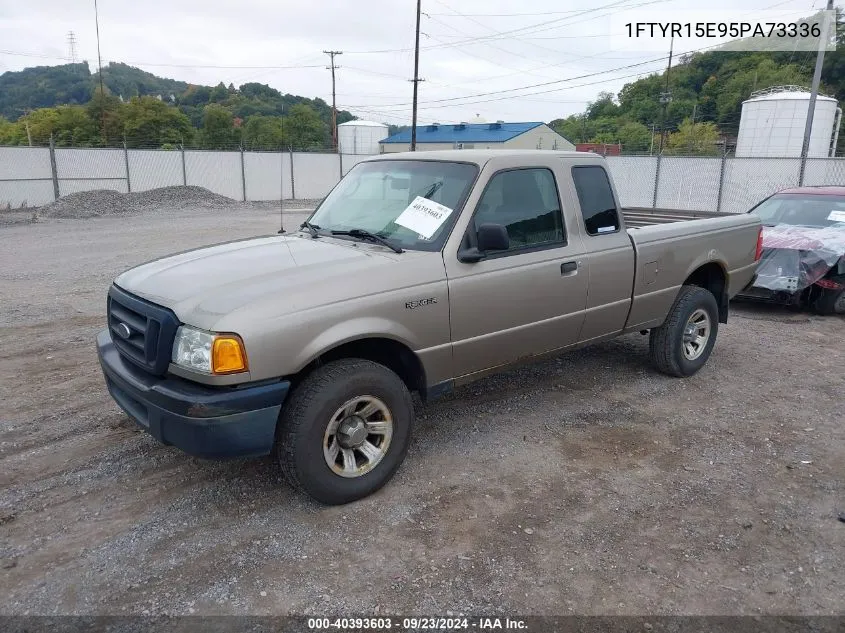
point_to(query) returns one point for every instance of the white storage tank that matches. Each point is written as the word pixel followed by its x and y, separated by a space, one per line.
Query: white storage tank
pixel 773 120
pixel 360 137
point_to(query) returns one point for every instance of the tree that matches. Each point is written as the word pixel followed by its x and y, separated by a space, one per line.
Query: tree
pixel 74 128
pixel 218 128
pixel 603 107
pixel 105 107
pixel 304 129
pixel 605 130
pixel 259 91
pixel 12 133
pixel 640 100
pixel 635 137
pixel 41 124
pixel 264 132
pixel 148 122
pixel 694 139
pixel 218 93
pixel 575 128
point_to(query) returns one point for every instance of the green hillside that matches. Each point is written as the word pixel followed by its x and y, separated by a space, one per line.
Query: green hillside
pixel 150 111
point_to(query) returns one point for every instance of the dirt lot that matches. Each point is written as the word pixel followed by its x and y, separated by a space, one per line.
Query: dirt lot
pixel 588 484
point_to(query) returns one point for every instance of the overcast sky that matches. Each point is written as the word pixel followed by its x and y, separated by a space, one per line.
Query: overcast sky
pixel 466 59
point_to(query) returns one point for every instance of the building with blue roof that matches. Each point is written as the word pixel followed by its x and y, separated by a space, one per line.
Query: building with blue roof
pixel 498 135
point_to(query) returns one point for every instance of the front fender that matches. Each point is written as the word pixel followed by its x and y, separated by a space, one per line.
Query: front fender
pixel 353 330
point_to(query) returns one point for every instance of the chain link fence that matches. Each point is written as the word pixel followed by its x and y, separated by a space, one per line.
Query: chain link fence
pixel 33 176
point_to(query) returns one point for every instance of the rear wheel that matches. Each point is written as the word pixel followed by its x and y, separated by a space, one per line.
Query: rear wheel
pixel 344 431
pixel 830 302
pixel 682 345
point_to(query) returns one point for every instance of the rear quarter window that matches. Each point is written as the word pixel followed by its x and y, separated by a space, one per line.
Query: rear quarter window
pixel 595 195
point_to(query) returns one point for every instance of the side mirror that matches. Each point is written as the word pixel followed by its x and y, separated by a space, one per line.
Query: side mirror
pixel 493 237
pixel 490 237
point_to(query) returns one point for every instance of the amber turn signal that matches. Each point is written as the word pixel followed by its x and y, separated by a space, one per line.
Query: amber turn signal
pixel 228 355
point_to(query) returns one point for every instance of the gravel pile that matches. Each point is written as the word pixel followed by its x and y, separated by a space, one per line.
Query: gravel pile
pixel 104 202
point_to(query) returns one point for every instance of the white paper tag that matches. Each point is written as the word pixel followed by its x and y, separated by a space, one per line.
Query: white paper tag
pixel 424 216
pixel 836 216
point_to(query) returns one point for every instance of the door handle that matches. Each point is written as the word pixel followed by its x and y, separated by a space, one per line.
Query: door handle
pixel 568 268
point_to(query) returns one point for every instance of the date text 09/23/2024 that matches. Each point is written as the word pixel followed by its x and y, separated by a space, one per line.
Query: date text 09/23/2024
pixel 416 624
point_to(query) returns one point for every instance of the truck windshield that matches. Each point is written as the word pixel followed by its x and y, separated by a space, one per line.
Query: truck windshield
pixel 373 196
pixel 798 210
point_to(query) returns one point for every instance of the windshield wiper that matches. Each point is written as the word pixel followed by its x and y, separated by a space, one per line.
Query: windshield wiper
pixel 432 190
pixel 363 234
pixel 313 229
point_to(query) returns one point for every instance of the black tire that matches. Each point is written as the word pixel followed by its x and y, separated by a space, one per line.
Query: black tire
pixel 830 302
pixel 306 416
pixel 666 343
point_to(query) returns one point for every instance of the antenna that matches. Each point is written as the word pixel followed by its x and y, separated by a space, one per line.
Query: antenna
pixel 71 48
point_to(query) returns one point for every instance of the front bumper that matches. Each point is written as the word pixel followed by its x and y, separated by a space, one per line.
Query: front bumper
pixel 201 420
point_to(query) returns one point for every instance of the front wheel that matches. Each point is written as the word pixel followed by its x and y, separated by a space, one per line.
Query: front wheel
pixel 344 431
pixel 682 345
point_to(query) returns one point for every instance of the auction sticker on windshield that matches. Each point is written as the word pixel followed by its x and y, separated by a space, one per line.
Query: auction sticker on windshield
pixel 424 216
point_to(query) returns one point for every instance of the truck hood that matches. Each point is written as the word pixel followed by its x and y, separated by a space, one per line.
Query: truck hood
pixel 204 285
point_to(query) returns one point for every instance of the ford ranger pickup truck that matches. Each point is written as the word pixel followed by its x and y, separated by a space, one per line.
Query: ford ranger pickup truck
pixel 419 272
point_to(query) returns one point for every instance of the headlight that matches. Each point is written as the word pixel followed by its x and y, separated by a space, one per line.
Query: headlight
pixel 208 352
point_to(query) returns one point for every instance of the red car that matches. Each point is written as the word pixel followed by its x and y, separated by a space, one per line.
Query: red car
pixel 803 259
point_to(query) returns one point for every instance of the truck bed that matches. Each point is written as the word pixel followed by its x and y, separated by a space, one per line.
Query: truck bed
pixel 636 217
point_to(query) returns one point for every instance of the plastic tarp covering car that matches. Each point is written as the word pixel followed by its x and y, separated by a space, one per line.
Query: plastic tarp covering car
pixel 795 257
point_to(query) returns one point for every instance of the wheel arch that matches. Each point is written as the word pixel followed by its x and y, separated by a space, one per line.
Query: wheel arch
pixel 713 277
pixel 394 354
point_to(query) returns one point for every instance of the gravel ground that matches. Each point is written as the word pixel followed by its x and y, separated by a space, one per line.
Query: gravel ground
pixel 106 202
pixel 586 484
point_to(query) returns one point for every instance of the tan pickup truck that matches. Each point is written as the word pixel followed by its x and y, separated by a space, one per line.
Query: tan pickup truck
pixel 419 272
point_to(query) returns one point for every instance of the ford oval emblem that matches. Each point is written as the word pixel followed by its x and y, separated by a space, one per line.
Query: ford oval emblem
pixel 123 330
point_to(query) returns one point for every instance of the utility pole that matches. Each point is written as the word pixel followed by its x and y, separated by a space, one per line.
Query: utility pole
pixel 665 99
pixel 416 81
pixel 814 91
pixel 332 54
pixel 100 67
pixel 692 132
pixel 26 124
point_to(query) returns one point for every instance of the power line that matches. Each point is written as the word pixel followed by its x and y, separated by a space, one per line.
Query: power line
pixel 540 26
pixel 539 85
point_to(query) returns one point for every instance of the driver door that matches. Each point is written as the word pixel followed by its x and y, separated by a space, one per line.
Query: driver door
pixel 528 299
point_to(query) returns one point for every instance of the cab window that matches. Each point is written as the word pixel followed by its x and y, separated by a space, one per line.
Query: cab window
pixel 526 202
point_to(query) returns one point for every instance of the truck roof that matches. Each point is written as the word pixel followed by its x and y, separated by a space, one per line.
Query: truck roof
pixel 480 156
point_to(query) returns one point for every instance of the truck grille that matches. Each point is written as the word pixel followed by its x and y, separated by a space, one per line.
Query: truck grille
pixel 142 332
